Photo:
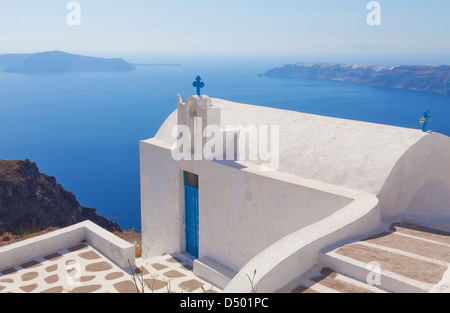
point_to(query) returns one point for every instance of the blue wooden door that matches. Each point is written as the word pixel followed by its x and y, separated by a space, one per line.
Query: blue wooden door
pixel 191 215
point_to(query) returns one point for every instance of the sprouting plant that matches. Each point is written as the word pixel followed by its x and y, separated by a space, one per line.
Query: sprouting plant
pixel 29 230
pixel 138 279
pixel 252 280
pixel 152 286
pixel 7 237
pixel 137 250
pixel 141 283
pixel 168 284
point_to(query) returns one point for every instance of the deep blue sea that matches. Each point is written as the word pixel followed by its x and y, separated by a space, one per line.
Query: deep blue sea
pixel 85 129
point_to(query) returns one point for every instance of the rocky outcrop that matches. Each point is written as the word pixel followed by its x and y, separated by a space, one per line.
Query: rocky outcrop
pixel 30 199
pixel 434 79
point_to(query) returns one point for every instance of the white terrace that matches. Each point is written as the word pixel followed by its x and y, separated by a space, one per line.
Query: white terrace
pixel 85 258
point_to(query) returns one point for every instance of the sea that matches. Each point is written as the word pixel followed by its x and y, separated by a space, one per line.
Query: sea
pixel 84 128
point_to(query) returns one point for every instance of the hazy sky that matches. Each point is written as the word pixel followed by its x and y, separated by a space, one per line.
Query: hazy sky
pixel 225 26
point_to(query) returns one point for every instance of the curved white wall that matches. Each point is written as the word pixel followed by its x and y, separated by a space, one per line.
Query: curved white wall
pixel 419 185
pixel 293 255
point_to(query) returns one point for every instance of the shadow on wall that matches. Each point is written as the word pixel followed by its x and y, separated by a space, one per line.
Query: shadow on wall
pixel 433 198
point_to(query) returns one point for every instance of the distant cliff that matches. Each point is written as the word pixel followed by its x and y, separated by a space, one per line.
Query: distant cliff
pixel 31 199
pixel 434 79
pixel 59 62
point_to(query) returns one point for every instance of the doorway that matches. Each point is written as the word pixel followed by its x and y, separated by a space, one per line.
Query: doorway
pixel 191 212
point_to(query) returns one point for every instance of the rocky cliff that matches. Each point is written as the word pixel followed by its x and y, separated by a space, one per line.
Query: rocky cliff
pixel 30 199
pixel 434 79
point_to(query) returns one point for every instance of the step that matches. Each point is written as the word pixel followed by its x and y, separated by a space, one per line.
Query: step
pixel 410 258
pixel 213 272
pixel 325 280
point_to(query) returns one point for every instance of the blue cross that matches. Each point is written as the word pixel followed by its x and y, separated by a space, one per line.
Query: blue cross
pixel 198 84
pixel 425 120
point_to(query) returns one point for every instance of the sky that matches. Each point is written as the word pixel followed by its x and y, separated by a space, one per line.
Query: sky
pixel 233 27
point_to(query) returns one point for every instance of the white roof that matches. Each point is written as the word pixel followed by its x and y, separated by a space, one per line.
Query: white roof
pixel 352 154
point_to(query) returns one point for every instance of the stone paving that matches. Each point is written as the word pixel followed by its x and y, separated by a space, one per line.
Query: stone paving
pixel 82 269
pixel 173 274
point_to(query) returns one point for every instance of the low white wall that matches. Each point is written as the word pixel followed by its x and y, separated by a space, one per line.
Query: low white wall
pixel 419 185
pixel 121 252
pixel 114 248
pixel 28 249
pixel 293 255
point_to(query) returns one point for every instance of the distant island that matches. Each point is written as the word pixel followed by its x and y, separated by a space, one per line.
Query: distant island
pixel 156 65
pixel 54 62
pixel 433 79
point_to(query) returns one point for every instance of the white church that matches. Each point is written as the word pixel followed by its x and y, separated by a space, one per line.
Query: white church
pixel 299 202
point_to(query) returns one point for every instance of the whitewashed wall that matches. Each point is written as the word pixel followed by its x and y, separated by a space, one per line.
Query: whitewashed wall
pixel 241 212
pixel 418 188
